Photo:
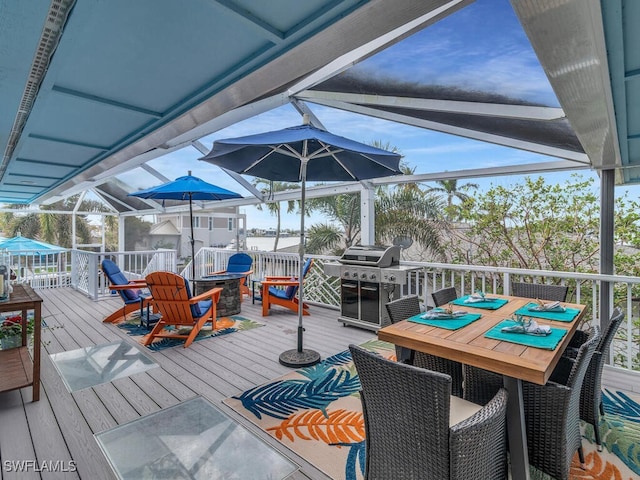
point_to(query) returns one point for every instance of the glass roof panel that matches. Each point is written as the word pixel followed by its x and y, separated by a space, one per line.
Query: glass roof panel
pixel 463 58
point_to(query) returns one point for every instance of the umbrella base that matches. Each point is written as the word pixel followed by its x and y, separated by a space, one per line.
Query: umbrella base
pixel 295 359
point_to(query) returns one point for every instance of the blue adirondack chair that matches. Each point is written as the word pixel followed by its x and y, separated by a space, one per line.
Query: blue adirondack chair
pixel 129 290
pixel 239 263
pixel 282 291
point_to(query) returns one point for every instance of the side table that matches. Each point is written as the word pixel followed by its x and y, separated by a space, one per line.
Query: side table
pixel 255 296
pixel 17 369
pixel 147 319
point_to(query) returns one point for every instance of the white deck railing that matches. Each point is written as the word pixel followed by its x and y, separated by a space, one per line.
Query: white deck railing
pixel 83 273
pixel 87 277
pixel 583 288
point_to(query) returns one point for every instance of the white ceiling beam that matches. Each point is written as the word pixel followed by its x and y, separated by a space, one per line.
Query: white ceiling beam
pixel 523 112
pixel 104 201
pixel 236 176
pixel 229 118
pixel 110 198
pixel 304 109
pixel 155 173
pixel 57 212
pixel 319 191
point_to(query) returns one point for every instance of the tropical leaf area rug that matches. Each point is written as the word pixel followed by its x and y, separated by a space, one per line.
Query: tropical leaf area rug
pixel 316 412
pixel 224 326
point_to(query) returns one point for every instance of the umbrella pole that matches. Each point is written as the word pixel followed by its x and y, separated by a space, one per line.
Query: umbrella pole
pixel 300 357
pixel 193 248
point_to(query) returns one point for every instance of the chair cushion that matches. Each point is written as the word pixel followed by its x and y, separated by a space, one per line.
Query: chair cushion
pixel 278 292
pixel 195 308
pixel 239 262
pixel 461 409
pixel 131 296
pixel 116 277
pixel 291 290
pixel 203 306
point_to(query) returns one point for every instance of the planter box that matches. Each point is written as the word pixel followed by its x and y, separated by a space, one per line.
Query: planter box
pixel 11 342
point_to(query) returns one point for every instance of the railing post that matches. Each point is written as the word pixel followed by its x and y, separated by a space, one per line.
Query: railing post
pixel 74 269
pixel 92 281
pixel 507 283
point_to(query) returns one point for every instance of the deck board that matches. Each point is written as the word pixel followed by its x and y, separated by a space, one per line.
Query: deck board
pixel 62 425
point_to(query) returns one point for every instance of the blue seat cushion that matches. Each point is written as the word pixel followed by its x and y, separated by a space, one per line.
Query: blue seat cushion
pixel 200 308
pixel 195 308
pixel 285 294
pixel 203 306
pixel 278 292
pixel 239 263
pixel 116 277
pixel 130 296
pixel 291 290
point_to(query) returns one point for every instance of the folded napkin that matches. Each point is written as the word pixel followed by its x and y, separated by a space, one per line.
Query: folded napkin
pixel 484 303
pixel 439 314
pixel 548 307
pixel 530 328
pixel 448 323
pixel 545 342
pixel 477 297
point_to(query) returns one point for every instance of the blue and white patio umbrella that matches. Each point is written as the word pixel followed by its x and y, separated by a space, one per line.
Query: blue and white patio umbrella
pixel 27 246
pixel 302 153
pixel 187 188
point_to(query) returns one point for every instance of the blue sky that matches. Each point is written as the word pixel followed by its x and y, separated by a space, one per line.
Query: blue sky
pixel 492 55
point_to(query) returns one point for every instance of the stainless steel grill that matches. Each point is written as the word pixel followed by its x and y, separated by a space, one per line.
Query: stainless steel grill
pixel 370 276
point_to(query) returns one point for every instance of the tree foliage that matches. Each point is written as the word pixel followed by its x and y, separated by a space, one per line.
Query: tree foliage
pixel 412 213
pixel 343 210
pixel 536 225
pixel 55 228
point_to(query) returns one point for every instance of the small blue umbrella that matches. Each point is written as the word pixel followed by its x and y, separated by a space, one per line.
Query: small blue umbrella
pixel 302 153
pixel 187 188
pixel 28 246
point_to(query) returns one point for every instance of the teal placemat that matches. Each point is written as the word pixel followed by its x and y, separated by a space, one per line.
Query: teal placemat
pixel 567 316
pixel 489 304
pixel 550 342
pixel 448 323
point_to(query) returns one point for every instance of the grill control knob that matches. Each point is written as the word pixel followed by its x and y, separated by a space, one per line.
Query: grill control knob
pixel 363 276
pixel 392 278
pixel 346 274
pixel 354 274
pixel 372 276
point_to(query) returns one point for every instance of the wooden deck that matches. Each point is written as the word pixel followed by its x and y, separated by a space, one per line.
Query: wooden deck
pixel 60 427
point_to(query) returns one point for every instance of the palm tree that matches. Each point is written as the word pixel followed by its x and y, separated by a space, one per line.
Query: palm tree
pixel 451 190
pixel 342 209
pixel 323 237
pixel 408 212
pixel 268 187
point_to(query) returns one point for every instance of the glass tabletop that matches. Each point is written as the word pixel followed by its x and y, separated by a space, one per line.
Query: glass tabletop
pixel 191 440
pixel 90 366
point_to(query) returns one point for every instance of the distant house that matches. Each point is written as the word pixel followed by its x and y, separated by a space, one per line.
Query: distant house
pixel 215 228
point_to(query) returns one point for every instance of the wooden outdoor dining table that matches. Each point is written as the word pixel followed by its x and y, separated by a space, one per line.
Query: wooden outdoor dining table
pixel 515 362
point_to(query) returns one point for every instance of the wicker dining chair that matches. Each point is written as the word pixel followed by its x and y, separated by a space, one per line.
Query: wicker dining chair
pixel 408 414
pixel 591 395
pixel 552 413
pixel 444 296
pixel 406 307
pixel 540 291
pixel 481 385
